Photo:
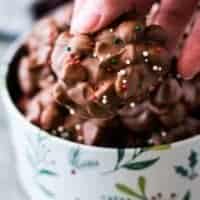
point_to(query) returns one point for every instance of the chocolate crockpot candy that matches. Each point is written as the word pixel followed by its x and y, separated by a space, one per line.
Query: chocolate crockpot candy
pixel 103 89
pixel 138 118
pixel 45 78
pixel 66 54
pixel 160 56
pixel 189 128
pixel 106 36
pixel 196 85
pixel 91 131
pixel 59 93
pixel 80 93
pixel 144 121
pixel 98 131
pixel 169 93
pixel 131 108
pixel 124 84
pixel 32 44
pixel 36 105
pixel 156 139
pixel 173 116
pixel 94 109
pixel 104 101
pixel 140 48
pixel 51 117
pixel 73 73
pixel 72 120
pixel 154 55
pixel 33 111
pixel 134 141
pixel 42 55
pixel 27 76
pixel 45 97
pixel 130 31
pixel 22 103
pixel 103 107
pixel 68 49
pixel 176 134
pixel 33 77
pixel 61 52
pixel 45 32
pixel 81 44
pixel 137 82
pixel 110 38
pixel 94 69
pixel 189 94
pixel 106 49
pixel 72 126
pixel 193 126
pixel 112 64
pixel 92 88
pixel 129 54
pixel 44 111
pixel 155 34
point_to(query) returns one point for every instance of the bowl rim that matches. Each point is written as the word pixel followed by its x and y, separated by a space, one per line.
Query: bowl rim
pixel 6 97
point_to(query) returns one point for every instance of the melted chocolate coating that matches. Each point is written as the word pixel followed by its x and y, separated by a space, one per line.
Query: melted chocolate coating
pixel 115 88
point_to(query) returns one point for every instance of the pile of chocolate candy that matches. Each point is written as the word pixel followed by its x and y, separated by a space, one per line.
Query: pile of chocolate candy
pixel 115 88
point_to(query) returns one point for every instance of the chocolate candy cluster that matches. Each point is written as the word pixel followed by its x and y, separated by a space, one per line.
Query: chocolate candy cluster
pixel 115 88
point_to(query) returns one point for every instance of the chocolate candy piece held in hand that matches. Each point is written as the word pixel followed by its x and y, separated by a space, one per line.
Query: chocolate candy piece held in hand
pixel 115 88
pixel 156 34
pixel 66 55
pixel 94 69
pixel 130 31
pixel 73 73
pixel 169 93
pixel 80 93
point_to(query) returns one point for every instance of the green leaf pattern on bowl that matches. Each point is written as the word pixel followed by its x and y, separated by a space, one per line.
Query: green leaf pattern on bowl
pixel 37 154
pixel 76 160
pixel 189 172
pixel 139 192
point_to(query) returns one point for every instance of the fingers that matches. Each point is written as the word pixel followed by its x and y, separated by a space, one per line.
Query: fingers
pixel 189 62
pixel 174 16
pixel 78 5
pixel 96 14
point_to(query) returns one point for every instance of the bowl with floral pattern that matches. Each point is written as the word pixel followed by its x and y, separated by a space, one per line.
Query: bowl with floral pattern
pixel 51 168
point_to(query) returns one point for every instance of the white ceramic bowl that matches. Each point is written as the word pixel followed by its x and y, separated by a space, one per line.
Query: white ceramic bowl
pixel 52 168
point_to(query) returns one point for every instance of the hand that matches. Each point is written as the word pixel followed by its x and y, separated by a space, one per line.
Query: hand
pixel 91 15
pixel 173 15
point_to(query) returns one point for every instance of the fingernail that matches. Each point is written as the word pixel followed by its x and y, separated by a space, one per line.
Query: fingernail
pixel 85 22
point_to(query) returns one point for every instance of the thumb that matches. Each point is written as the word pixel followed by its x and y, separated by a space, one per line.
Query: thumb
pixel 96 14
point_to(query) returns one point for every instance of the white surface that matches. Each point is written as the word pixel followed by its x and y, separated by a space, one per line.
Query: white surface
pixel 16 12
pixel 9 186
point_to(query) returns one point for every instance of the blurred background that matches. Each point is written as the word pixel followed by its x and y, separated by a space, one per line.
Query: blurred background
pixel 16 17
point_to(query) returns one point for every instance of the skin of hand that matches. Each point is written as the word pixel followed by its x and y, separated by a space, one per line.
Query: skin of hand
pixel 173 15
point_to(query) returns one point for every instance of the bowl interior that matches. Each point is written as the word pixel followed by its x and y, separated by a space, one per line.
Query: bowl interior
pixel 11 78
pixel 13 93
